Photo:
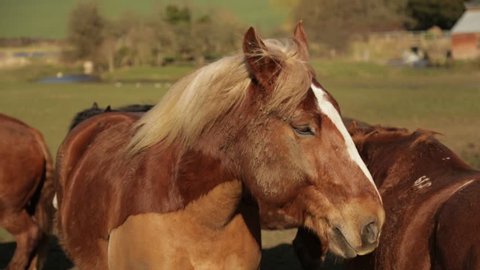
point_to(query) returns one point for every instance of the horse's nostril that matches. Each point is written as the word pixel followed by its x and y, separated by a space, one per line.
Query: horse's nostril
pixel 370 233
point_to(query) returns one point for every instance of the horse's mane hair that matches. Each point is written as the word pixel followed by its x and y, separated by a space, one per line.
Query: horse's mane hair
pixel 194 103
pixel 417 139
pixel 363 131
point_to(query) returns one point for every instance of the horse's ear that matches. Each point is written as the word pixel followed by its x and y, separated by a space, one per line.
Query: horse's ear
pixel 263 68
pixel 108 109
pixel 94 105
pixel 301 38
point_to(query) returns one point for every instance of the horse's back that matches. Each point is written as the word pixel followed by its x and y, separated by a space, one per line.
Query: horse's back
pixel 457 239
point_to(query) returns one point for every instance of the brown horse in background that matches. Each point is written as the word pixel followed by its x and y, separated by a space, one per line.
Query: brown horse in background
pixel 26 189
pixel 179 188
pixel 431 198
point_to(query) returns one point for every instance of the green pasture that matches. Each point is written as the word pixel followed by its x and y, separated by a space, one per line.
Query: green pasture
pixel 444 100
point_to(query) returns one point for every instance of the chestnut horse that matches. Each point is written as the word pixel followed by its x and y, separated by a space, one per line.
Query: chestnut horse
pixel 26 189
pixel 431 200
pixel 179 187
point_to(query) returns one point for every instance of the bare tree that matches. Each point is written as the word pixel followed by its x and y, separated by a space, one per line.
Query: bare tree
pixel 85 31
pixel 335 22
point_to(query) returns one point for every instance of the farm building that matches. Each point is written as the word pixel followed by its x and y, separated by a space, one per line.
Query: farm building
pixel 466 33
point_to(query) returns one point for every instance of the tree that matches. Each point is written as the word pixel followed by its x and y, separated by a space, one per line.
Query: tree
pixel 428 13
pixel 85 31
pixel 171 34
pixel 180 20
pixel 215 35
pixel 336 22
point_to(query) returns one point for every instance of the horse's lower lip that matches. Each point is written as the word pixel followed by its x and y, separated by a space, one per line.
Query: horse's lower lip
pixel 347 250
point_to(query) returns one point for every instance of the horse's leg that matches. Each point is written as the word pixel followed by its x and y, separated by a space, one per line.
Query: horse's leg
pixel 44 213
pixel 93 254
pixel 40 257
pixel 26 233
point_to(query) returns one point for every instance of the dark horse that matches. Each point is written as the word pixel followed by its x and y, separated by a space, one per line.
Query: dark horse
pixel 26 190
pixel 179 187
pixel 431 199
pixel 96 110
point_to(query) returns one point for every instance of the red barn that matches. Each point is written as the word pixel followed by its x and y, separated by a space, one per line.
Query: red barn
pixel 466 34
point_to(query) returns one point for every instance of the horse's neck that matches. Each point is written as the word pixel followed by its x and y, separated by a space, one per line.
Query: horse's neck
pixel 211 193
pixel 391 166
pixel 198 183
pixel 197 173
pixel 217 207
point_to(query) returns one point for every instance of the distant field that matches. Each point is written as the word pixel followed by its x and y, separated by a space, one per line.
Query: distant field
pixel 445 100
pixel 48 18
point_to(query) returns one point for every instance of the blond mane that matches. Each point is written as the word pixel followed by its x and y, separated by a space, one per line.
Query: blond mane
pixel 194 103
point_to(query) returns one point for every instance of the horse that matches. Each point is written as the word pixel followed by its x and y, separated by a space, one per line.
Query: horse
pixel 430 198
pixel 26 190
pixel 96 110
pixel 179 187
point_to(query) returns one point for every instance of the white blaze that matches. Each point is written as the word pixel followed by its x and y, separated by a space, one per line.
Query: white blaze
pixel 331 112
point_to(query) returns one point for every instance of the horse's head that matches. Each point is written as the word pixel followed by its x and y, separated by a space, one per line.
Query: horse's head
pixel 263 119
pixel 296 156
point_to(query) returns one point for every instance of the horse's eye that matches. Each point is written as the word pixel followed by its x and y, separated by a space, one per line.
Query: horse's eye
pixel 304 130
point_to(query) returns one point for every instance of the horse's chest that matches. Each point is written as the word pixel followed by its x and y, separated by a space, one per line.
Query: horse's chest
pixel 176 241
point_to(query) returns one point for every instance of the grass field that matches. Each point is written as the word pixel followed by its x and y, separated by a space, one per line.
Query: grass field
pixel 444 100
pixel 48 18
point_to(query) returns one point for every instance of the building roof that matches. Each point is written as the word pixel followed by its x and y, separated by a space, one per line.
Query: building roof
pixel 469 22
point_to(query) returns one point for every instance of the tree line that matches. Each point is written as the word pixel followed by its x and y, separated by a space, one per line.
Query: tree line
pixel 171 34
pixel 181 34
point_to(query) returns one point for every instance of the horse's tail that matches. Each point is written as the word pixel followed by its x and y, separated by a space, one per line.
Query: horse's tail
pixel 43 205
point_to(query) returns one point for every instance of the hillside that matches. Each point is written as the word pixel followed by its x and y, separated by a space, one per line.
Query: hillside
pixel 48 18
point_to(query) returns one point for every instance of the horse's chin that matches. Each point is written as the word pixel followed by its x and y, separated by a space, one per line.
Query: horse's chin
pixel 340 246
